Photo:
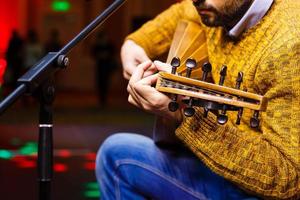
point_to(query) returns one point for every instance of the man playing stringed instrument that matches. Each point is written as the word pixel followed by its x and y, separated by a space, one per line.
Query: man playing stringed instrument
pixel 257 37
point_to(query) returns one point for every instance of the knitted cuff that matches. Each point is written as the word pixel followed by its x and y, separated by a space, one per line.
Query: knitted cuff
pixel 142 40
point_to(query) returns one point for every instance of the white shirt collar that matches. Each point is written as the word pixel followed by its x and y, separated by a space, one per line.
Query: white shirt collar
pixel 254 14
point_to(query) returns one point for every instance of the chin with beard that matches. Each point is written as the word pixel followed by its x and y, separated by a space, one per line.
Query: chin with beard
pixel 226 16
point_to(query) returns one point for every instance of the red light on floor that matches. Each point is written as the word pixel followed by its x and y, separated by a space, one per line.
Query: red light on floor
pixel 19 158
pixel 27 164
pixel 90 156
pixel 24 161
pixel 64 153
pixel 90 166
pixel 58 167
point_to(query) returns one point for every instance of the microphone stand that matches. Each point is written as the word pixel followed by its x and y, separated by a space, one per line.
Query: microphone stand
pixel 39 82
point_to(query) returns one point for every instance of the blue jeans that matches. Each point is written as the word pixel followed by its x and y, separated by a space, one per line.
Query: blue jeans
pixel 130 166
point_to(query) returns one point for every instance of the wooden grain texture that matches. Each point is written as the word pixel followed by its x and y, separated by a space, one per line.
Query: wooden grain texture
pixel 259 102
pixel 189 41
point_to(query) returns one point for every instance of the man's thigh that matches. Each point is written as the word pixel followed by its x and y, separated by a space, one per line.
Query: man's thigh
pixel 165 174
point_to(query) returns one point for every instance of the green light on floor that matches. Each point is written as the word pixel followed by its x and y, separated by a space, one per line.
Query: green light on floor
pixel 29 148
pixel 60 5
pixel 92 194
pixel 5 154
pixel 92 190
pixel 92 186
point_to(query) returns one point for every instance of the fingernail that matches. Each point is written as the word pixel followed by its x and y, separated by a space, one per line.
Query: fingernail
pixel 157 62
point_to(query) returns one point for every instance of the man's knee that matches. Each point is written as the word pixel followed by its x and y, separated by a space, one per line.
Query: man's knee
pixel 108 150
pixel 116 147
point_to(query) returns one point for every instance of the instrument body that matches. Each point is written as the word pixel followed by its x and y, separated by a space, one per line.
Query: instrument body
pixel 191 78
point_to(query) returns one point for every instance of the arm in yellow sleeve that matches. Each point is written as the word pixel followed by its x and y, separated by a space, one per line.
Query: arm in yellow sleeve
pixel 156 35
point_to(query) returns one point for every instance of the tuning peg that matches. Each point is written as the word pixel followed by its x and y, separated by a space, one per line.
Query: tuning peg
pixel 189 111
pixel 222 118
pixel 239 116
pixel 175 63
pixel 239 80
pixel 223 74
pixel 205 114
pixel 206 68
pixel 190 64
pixel 254 121
pixel 173 105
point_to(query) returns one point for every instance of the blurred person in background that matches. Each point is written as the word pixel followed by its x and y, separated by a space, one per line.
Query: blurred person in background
pixel 103 53
pixel 33 52
pixel 33 49
pixel 15 59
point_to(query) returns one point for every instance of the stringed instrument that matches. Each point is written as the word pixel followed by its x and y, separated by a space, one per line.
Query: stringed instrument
pixel 184 80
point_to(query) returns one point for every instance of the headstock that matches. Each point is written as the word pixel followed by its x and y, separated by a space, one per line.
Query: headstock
pixel 212 97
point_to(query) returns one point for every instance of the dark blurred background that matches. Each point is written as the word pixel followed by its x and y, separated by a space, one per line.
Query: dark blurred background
pixel 91 101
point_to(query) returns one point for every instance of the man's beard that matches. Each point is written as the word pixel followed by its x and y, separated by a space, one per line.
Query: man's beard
pixel 227 16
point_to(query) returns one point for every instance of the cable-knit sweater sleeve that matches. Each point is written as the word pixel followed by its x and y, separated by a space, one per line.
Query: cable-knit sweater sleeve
pixel 265 162
pixel 156 35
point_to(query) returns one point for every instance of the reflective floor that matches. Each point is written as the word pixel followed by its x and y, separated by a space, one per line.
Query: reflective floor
pixel 80 126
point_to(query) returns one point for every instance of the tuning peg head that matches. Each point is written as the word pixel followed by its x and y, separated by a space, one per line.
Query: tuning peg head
pixel 239 80
pixel 223 71
pixel 206 68
pixel 254 121
pixel 175 63
pixel 223 74
pixel 222 119
pixel 190 64
pixel 240 77
pixel 189 111
pixel 239 116
pixel 173 106
pixel 205 113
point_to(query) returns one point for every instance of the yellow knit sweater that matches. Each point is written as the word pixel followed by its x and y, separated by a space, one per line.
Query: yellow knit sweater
pixel 265 162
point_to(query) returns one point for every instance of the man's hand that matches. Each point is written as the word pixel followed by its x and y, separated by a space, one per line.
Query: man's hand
pixel 132 55
pixel 146 97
